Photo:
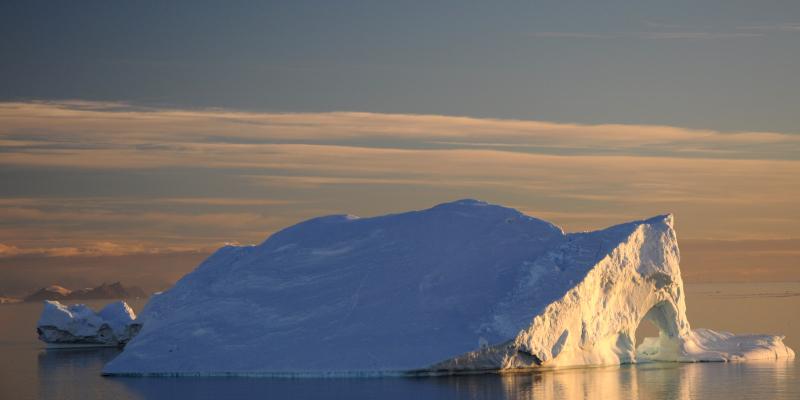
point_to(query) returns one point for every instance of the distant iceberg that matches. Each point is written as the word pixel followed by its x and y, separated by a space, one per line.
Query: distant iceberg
pixel 461 287
pixel 77 325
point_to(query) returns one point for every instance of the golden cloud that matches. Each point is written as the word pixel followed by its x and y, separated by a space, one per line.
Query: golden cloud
pixel 728 185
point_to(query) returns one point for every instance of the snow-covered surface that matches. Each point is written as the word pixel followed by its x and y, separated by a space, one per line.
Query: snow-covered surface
pixel 462 286
pixel 708 345
pixel 77 324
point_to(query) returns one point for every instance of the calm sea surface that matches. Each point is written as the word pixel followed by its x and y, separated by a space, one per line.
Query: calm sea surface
pixel 28 371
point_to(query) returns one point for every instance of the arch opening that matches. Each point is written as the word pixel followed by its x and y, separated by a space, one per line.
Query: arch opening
pixel 645 329
pixel 657 332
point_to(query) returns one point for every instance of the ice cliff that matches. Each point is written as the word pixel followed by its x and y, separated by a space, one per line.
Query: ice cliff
pixel 78 325
pixel 460 287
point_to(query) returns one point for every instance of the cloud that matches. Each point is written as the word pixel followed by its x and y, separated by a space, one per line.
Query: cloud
pixel 697 35
pixel 94 249
pixel 663 35
pixel 222 201
pixel 52 134
pixel 656 30
pixel 250 174
pixel 578 35
pixel 776 27
pixel 667 31
pixel 71 226
pixel 704 260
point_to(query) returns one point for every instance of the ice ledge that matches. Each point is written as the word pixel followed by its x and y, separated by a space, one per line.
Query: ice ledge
pixel 707 345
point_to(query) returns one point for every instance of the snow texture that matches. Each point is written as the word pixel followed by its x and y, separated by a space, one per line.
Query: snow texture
pixel 78 325
pixel 461 287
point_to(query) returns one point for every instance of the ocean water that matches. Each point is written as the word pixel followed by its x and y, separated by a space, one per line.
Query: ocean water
pixel 29 371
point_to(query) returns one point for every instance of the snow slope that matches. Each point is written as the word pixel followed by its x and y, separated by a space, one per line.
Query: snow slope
pixel 462 286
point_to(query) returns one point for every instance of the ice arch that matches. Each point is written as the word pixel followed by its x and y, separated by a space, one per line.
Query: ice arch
pixel 595 322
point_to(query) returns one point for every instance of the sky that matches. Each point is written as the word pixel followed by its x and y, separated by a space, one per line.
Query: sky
pixel 136 137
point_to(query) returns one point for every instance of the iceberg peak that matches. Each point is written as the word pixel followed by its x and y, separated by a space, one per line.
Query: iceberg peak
pixel 667 219
pixel 464 202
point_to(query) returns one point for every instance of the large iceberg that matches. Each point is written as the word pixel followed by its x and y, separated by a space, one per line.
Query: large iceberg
pixel 78 325
pixel 463 286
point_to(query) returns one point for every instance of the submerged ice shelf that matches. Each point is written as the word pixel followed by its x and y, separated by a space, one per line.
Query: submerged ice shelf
pixel 460 287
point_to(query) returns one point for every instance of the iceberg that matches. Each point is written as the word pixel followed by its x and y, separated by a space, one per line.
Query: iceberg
pixel 78 326
pixel 461 287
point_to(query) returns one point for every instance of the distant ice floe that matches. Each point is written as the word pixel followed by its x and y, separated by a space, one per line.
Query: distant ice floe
pixel 78 326
pixel 462 287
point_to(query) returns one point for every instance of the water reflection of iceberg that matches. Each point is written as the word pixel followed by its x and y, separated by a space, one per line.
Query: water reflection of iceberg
pixel 71 373
pixel 676 381
pixel 61 361
pixel 671 381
